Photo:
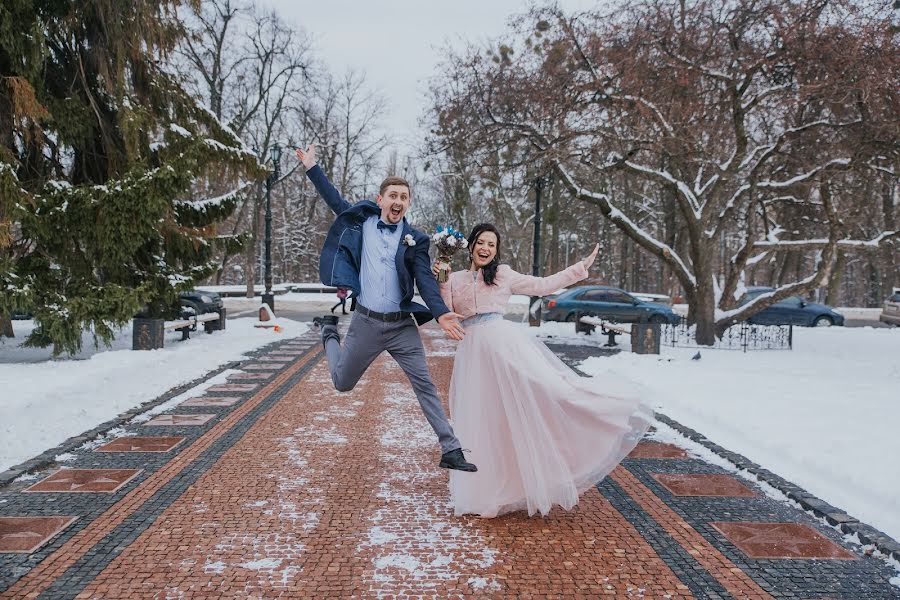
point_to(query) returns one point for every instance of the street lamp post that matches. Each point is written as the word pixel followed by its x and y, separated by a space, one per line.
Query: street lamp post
pixel 268 297
pixel 534 312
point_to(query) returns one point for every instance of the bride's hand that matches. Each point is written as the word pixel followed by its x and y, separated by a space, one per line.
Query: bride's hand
pixel 587 262
pixel 438 266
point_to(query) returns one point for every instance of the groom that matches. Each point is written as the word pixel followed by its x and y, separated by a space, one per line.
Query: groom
pixel 372 250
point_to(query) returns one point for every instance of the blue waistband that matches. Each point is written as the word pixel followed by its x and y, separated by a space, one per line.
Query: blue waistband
pixel 481 318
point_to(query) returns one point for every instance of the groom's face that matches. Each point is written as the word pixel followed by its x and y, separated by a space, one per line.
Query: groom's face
pixel 394 203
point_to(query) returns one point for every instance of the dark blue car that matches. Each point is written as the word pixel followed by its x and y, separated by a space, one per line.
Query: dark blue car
pixel 609 303
pixel 793 311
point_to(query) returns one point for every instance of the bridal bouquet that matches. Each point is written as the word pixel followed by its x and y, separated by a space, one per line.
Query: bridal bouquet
pixel 447 241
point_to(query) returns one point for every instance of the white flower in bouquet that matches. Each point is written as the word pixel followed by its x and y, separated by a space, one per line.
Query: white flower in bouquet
pixel 447 241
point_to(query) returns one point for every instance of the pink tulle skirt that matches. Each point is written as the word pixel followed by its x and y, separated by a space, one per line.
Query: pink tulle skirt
pixel 539 434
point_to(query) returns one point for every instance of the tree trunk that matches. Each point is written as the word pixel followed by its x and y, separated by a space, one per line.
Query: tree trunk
pixel 787 265
pixel 636 273
pixel 703 303
pixel 834 282
pixel 6 327
pixel 554 229
pixel 890 269
pixel 221 271
pixel 705 314
pixel 252 246
pixel 874 293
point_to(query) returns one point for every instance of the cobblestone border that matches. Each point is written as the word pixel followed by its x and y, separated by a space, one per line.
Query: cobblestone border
pixel 701 582
pixel 82 572
pixel 834 516
pixel 48 457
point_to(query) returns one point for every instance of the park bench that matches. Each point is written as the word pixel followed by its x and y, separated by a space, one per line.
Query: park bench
pixel 610 331
pixel 588 323
pixel 148 334
pixel 182 325
pixel 211 322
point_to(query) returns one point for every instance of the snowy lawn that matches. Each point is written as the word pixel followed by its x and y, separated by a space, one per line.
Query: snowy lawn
pixel 45 402
pixel 825 415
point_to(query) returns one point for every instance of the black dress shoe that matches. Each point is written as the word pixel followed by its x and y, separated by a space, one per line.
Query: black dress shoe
pixel 456 460
pixel 326 320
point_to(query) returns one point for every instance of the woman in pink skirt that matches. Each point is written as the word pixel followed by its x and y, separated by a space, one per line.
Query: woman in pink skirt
pixel 539 433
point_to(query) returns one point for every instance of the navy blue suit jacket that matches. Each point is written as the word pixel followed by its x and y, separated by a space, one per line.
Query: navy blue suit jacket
pixel 341 256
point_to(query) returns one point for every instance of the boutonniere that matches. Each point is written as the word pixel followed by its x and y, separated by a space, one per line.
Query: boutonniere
pixel 409 240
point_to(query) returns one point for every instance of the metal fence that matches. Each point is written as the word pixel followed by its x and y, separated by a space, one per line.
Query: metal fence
pixel 742 336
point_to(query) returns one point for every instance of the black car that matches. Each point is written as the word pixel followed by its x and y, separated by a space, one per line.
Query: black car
pixel 199 302
pixel 193 302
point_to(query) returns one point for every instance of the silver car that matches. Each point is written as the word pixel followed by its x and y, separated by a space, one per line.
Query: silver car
pixel 890 313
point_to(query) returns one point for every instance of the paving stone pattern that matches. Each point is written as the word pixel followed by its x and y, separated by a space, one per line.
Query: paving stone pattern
pixel 279 487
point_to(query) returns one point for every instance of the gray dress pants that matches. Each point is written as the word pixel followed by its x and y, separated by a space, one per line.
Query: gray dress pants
pixel 368 337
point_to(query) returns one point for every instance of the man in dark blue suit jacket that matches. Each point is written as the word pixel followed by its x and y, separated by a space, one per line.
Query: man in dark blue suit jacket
pixel 372 250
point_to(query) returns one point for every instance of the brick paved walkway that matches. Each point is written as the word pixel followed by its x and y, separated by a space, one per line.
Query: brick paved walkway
pixel 275 486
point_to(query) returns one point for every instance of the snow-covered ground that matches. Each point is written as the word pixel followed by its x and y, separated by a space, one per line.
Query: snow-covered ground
pixel 825 415
pixel 44 402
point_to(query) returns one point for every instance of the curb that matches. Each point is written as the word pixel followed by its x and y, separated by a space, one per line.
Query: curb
pixel 836 517
pixel 48 457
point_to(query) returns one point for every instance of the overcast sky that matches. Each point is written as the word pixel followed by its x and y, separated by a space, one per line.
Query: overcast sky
pixel 397 43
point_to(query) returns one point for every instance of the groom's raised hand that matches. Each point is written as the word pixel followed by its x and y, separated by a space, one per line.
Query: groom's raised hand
pixel 308 156
pixel 449 322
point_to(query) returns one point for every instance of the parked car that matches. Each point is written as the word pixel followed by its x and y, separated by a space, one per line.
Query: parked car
pixel 655 298
pixel 792 311
pixel 890 312
pixel 612 304
pixel 198 302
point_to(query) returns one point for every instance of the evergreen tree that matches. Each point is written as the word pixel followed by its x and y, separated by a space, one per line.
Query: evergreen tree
pixel 102 158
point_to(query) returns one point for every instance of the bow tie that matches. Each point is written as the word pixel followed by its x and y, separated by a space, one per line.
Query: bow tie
pixel 390 227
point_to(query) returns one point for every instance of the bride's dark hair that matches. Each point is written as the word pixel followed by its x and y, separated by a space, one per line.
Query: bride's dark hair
pixel 489 271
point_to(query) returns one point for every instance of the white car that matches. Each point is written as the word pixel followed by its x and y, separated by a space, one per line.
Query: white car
pixel 890 313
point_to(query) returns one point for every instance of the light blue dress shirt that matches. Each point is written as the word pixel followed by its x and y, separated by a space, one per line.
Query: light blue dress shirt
pixel 379 282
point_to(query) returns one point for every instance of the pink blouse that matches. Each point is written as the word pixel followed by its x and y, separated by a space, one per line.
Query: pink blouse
pixel 467 294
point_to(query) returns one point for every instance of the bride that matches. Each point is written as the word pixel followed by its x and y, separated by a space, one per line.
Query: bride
pixel 540 434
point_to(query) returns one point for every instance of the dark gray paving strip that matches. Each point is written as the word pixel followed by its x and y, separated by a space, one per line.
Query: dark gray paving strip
pixel 788 578
pixel 701 583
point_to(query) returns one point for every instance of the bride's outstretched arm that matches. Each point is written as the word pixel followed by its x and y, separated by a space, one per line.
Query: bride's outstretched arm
pixel 541 286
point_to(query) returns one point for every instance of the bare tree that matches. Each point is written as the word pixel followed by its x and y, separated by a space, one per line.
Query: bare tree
pixel 735 121
pixel 343 117
pixel 254 69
